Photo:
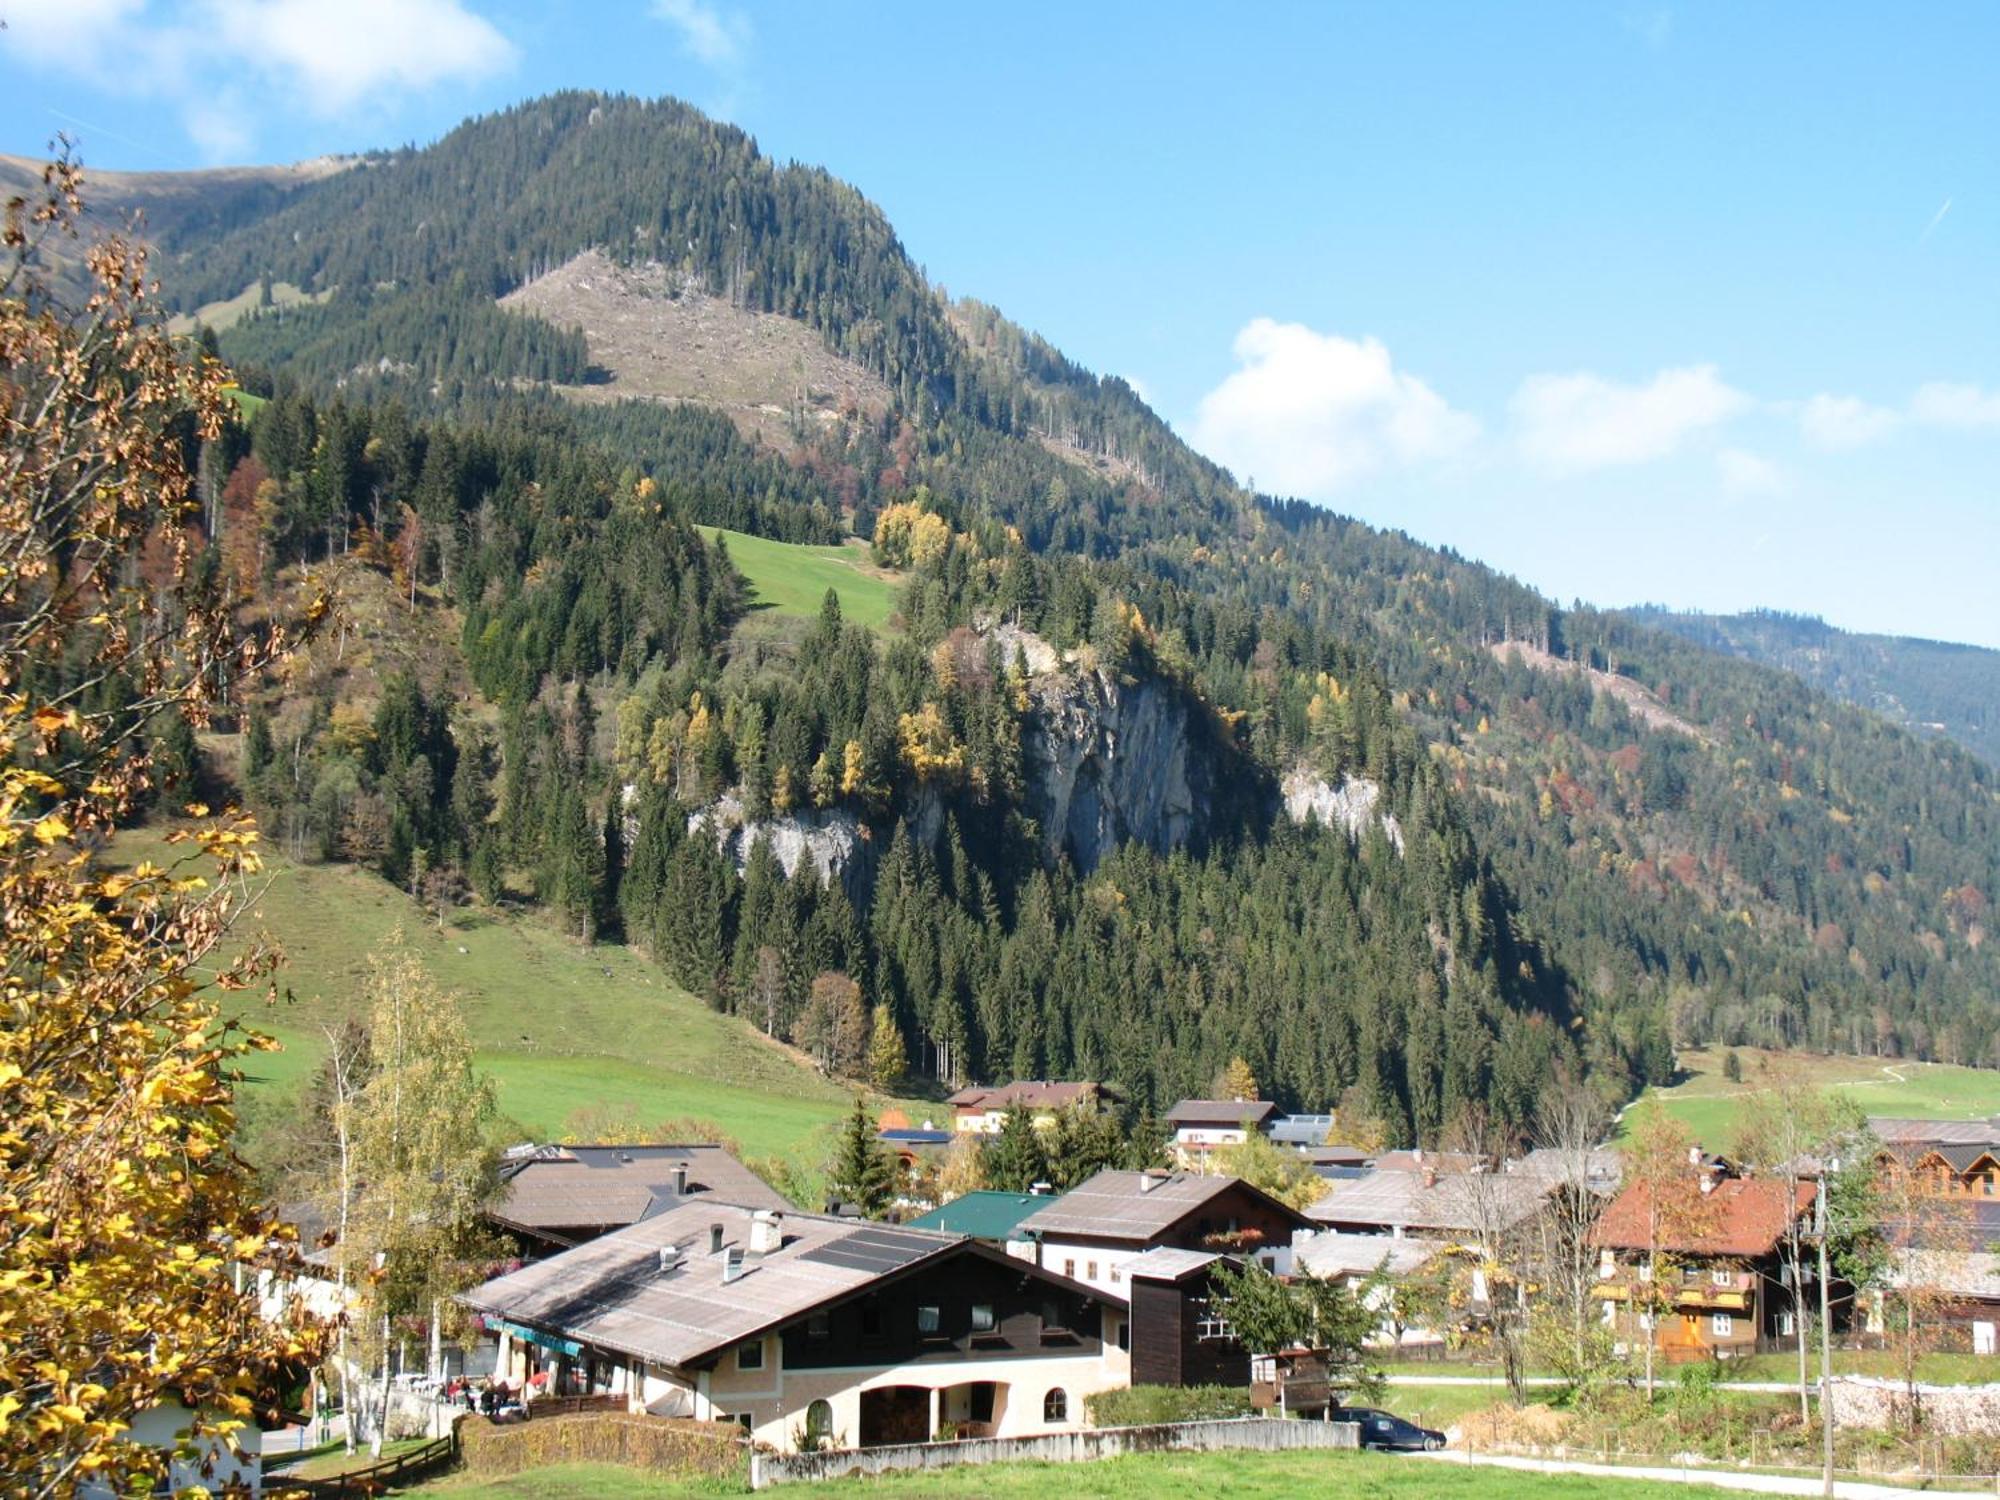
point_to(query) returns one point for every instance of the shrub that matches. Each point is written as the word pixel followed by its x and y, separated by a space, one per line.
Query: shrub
pixel 1143 1405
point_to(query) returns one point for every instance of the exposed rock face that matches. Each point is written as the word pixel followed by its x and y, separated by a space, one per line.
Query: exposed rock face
pixel 1106 761
pixel 1350 806
pixel 831 840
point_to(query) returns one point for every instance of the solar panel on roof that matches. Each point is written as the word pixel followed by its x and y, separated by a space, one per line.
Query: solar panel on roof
pixel 872 1250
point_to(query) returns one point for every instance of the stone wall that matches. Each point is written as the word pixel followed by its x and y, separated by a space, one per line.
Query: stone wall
pixel 1948 1410
pixel 1256 1434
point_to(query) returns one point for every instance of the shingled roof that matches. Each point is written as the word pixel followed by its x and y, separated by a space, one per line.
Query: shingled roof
pixel 1442 1203
pixel 1741 1216
pixel 1116 1205
pixel 1026 1092
pixel 619 1293
pixel 553 1188
pixel 1223 1113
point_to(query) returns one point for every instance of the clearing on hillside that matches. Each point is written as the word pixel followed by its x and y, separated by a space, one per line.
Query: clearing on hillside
pixel 789 579
pixel 660 339
pixel 1711 1105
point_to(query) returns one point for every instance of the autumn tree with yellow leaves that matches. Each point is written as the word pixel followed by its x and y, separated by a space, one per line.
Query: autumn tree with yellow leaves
pixel 122 1203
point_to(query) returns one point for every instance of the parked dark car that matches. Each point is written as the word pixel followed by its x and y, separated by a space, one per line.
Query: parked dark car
pixel 1384 1430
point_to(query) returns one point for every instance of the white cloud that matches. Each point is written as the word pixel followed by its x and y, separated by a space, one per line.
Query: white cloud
pixel 716 37
pixel 1841 422
pixel 341 53
pixel 1946 404
pixel 1567 424
pixel 1306 413
pixel 66 33
pixel 1744 473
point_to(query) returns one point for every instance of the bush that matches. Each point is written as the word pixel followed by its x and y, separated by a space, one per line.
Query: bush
pixel 1144 1405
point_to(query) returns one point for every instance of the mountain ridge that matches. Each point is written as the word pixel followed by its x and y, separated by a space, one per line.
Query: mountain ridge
pixel 1794 871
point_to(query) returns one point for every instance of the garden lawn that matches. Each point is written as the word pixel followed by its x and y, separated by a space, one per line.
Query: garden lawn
pixel 1189 1476
pixel 789 579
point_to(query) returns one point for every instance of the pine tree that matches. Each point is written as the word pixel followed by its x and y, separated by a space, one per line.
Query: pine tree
pixel 862 1172
pixel 1015 1158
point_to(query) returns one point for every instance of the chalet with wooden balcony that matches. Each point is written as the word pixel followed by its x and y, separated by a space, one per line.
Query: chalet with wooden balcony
pixel 1711 1289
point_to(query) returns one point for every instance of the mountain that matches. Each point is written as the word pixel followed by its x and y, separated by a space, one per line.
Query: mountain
pixel 1931 687
pixel 1431 839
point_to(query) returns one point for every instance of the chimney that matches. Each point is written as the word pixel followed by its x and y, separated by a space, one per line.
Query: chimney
pixel 680 1179
pixel 732 1264
pixel 1694 1156
pixel 715 1239
pixel 671 1257
pixel 1040 1189
pixel 1150 1180
pixel 766 1232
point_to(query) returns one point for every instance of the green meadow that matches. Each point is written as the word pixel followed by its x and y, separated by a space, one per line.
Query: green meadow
pixel 788 579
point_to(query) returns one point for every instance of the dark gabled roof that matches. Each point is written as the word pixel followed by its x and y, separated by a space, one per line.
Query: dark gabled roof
pixel 620 1294
pixel 983 1215
pixel 548 1188
pixel 1222 1112
pixel 1112 1206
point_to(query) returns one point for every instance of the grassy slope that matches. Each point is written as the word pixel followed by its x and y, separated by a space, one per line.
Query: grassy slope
pixel 792 580
pixel 1206 1476
pixel 560 1027
pixel 1711 1104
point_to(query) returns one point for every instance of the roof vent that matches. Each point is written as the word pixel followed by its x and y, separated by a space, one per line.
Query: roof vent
pixel 680 1179
pixel 625 1156
pixel 672 1258
pixel 715 1239
pixel 1150 1180
pixel 732 1264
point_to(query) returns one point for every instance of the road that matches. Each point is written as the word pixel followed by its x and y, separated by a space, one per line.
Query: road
pixel 1757 1387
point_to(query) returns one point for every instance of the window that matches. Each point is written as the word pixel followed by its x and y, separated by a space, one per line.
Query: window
pixel 982 1317
pixel 927 1320
pixel 1210 1325
pixel 1117 1275
pixel 819 1424
pixel 1055 1406
pixel 1090 1270
pixel 1787 1325
pixel 1722 1325
pixel 750 1356
pixel 818 1326
pixel 1607 1265
pixel 1069 1269
pixel 1125 1334
pixel 1720 1277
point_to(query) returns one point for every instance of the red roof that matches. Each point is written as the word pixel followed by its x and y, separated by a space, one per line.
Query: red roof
pixel 1741 1216
pixel 1027 1093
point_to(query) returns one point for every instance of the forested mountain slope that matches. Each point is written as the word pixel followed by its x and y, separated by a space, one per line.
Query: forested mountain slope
pixel 1934 687
pixel 1605 837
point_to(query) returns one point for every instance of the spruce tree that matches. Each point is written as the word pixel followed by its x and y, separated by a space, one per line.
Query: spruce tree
pixel 863 1173
pixel 1015 1158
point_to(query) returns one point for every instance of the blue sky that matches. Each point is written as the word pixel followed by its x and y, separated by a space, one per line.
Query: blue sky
pixel 1689 303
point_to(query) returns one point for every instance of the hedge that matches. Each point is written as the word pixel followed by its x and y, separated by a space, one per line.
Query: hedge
pixel 1145 1405
pixel 664 1445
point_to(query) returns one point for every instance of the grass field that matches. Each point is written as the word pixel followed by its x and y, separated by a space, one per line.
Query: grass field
pixel 787 579
pixel 1205 1476
pixel 1711 1105
pixel 560 1027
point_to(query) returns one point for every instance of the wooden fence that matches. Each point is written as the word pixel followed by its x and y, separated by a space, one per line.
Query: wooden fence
pixel 427 1462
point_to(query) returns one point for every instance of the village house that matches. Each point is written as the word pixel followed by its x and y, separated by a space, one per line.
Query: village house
pixel 1091 1232
pixel 1723 1277
pixel 1204 1125
pixel 554 1197
pixel 1946 1246
pixel 810 1330
pixel 1370 1266
pixel 1429 1202
pixel 982 1109
pixel 1177 1336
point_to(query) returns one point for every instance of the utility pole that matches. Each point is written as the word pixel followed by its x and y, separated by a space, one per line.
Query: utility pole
pixel 1825 1338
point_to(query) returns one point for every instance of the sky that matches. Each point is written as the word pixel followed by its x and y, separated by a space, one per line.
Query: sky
pixel 1690 304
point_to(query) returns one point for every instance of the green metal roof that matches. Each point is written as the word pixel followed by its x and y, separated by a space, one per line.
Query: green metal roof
pixel 983 1215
